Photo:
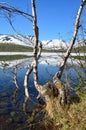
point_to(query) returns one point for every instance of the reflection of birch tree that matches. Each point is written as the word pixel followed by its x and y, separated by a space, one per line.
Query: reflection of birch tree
pixel 12 75
pixel 47 90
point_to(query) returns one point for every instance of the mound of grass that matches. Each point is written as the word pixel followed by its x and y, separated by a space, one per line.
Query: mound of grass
pixel 73 118
pixel 14 48
pixel 68 118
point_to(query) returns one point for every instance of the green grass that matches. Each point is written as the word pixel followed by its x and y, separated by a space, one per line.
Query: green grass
pixel 14 48
pixel 21 48
pixel 13 57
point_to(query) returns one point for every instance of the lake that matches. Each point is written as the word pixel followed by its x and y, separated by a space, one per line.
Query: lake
pixel 12 113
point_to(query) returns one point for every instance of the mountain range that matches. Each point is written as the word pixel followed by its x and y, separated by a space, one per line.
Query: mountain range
pixel 28 41
pixel 17 39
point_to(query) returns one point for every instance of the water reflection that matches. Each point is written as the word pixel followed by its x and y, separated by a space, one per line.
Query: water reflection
pixel 14 107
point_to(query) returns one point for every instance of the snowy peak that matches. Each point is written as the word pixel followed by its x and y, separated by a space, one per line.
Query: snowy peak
pixel 17 39
pixel 29 40
pixel 55 44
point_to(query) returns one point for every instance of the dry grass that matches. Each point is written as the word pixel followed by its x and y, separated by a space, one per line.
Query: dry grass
pixel 72 119
pixel 59 118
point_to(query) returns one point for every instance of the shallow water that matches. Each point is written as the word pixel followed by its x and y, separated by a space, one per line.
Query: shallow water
pixel 12 114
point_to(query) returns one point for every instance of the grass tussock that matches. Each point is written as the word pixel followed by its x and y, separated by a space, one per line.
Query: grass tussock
pixel 68 118
pixel 73 118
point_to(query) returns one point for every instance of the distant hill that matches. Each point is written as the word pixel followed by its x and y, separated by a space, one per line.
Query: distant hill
pixel 17 39
pixel 55 44
pixel 27 42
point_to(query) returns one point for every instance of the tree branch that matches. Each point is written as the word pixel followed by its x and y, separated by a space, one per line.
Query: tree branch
pixel 11 9
pixel 77 25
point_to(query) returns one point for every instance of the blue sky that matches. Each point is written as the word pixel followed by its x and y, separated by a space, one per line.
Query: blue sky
pixel 55 18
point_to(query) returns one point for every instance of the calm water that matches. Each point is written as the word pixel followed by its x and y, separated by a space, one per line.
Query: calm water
pixel 11 102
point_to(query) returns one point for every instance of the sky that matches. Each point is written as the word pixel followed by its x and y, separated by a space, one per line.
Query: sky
pixel 55 18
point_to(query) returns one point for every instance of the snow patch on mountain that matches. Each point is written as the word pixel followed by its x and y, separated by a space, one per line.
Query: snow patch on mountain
pixel 55 44
pixel 17 39
pixel 29 40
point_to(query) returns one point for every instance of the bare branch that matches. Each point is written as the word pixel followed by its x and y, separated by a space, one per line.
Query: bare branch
pixel 8 16
pixel 11 9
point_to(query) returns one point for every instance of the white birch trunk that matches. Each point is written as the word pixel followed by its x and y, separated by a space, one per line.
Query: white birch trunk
pixel 35 51
pixel 29 72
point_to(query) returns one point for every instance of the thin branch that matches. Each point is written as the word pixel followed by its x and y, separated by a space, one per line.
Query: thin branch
pixel 8 16
pixel 11 9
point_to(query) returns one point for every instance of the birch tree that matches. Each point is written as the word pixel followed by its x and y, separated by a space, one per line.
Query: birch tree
pixel 56 79
pixel 47 90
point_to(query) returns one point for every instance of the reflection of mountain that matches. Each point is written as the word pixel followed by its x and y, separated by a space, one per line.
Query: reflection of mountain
pixel 23 63
pixel 46 59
